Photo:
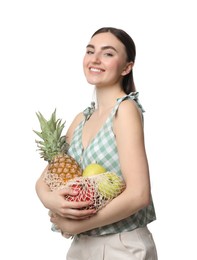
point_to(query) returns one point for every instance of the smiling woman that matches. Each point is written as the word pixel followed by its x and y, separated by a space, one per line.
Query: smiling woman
pixel 112 135
pixel 106 50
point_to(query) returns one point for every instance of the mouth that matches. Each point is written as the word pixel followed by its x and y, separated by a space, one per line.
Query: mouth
pixel 97 70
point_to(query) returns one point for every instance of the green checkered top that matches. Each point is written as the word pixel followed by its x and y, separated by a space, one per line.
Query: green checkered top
pixel 103 150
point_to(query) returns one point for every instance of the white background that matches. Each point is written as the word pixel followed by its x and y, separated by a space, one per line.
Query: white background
pixel 42 44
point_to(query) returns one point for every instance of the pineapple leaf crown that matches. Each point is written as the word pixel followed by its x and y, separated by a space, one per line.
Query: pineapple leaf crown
pixel 53 143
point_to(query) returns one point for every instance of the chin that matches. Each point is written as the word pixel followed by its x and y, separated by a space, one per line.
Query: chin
pixel 93 82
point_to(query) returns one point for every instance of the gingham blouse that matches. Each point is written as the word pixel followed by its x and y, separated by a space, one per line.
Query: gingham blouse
pixel 103 150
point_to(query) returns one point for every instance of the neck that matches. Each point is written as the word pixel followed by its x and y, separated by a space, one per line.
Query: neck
pixel 106 98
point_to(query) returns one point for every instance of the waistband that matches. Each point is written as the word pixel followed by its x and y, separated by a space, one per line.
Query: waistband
pixel 141 230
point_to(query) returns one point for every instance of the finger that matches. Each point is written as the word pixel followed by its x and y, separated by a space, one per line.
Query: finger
pixel 68 191
pixel 81 213
pixel 72 217
pixel 76 213
pixel 80 204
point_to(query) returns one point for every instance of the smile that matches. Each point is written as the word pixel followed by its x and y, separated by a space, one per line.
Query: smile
pixel 95 69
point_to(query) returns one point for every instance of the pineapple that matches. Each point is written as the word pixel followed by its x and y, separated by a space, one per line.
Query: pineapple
pixel 53 148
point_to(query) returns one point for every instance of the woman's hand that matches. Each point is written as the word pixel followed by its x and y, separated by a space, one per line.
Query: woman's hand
pixel 67 226
pixel 58 204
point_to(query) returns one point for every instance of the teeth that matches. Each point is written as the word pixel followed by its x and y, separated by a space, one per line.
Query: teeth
pixel 95 70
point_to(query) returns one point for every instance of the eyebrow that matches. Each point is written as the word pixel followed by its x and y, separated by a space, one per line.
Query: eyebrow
pixel 102 48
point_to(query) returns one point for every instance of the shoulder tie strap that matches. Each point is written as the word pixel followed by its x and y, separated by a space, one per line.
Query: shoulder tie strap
pixel 89 111
pixel 133 96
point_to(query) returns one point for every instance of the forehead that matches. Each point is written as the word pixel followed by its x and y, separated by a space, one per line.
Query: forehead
pixel 106 39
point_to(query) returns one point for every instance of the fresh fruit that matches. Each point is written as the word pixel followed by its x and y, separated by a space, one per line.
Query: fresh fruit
pixel 53 148
pixel 93 169
pixel 111 185
pixel 85 191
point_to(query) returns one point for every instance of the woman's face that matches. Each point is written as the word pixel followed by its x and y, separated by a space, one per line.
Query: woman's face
pixel 105 61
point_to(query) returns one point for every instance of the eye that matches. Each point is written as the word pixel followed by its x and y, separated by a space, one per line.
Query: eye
pixel 108 54
pixel 89 52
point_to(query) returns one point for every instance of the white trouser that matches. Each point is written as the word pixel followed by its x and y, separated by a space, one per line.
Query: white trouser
pixel 133 245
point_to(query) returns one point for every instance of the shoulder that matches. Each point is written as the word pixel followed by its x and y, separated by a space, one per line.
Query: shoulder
pixel 78 118
pixel 128 109
pixel 128 116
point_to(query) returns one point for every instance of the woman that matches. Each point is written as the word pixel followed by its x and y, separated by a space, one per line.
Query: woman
pixel 111 134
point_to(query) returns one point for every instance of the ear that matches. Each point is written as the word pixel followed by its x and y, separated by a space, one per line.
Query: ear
pixel 127 68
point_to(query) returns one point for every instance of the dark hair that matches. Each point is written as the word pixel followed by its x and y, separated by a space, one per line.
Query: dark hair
pixel 128 82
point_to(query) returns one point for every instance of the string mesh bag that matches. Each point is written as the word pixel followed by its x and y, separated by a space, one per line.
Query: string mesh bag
pixel 98 189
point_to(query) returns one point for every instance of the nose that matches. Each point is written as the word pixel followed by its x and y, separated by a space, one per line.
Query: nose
pixel 96 58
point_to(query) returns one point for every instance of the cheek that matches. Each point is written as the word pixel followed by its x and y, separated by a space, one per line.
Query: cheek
pixel 117 67
pixel 85 63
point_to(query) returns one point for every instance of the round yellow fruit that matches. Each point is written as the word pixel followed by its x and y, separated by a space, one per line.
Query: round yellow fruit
pixel 93 169
pixel 110 186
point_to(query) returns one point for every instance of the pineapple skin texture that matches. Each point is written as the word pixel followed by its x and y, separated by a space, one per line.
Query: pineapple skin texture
pixel 65 167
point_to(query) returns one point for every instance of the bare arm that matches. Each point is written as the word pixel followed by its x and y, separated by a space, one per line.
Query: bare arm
pixel 129 134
